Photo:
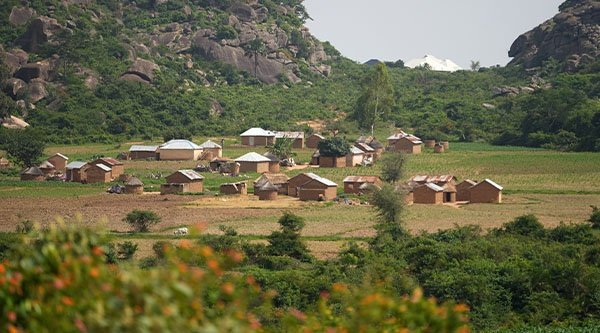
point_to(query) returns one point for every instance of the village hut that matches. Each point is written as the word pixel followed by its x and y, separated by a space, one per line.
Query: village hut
pixel 463 190
pixel 438 148
pixel 267 191
pixel 240 188
pixel 257 137
pixel 76 171
pixel 4 163
pixel 279 180
pixel 314 159
pixel 211 150
pixel 378 146
pixel 179 150
pixel 355 157
pixel 332 161
pixel 364 139
pixel 407 189
pixel 317 189
pixel 98 173
pixel 313 140
pixel 33 174
pixel 116 166
pixel 138 152
pixel 449 192
pixel 193 181
pixel 296 137
pixel 273 162
pixel 134 186
pixel 216 163
pixel 408 144
pixel 439 180
pixel 486 191
pixel 392 139
pixel 59 161
pixel 428 193
pixel 253 162
pixel 360 184
pixel 429 143
pixel 47 168
pixel 368 150
pixel 445 144
pixel 295 182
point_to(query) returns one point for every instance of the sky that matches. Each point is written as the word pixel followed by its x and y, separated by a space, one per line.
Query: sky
pixel 459 30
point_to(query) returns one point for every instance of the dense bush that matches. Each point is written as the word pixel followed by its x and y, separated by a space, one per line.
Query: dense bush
pixel 141 220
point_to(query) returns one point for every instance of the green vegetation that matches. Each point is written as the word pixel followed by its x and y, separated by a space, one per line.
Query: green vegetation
pixel 141 221
pixel 334 147
pixel 392 167
pixel 377 99
pixel 26 147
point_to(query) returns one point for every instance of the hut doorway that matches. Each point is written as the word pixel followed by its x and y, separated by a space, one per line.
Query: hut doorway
pixel 447 197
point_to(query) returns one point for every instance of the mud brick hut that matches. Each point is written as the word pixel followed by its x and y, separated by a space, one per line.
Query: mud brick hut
pixel 408 144
pixel 98 173
pixel 355 157
pixel 296 137
pixel 59 161
pixel 463 190
pixel 179 150
pixel 359 184
pixel 486 191
pixel 332 161
pixel 193 181
pixel 314 159
pixel 257 137
pixel 76 171
pixel 295 182
pixel 47 168
pixel 267 191
pixel 428 193
pixel 253 162
pixel 211 150
pixel 138 152
pixel 449 192
pixel 274 166
pixel 313 140
pixel 368 150
pixel 317 189
pixel 33 174
pixel 279 180
pixel 134 186
pixel 117 167
pixel 240 188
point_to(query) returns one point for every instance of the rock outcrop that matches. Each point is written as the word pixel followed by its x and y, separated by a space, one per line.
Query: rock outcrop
pixel 141 71
pixel 20 15
pixel 571 37
pixel 38 33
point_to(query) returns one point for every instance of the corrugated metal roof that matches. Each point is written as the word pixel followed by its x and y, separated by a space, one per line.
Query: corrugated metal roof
pixel 397 136
pixel 75 165
pixel 356 151
pixel 60 155
pixel 252 157
pixel 191 174
pixel 291 135
pixel 136 148
pixel 432 179
pixel 468 181
pixel 365 147
pixel 104 167
pixel 434 187
pixel 210 145
pixel 320 179
pixel 109 160
pixel 257 131
pixel 361 179
pixel 317 135
pixel 491 182
pixel 179 144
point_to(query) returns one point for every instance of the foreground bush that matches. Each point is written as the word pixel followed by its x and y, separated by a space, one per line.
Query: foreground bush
pixel 58 281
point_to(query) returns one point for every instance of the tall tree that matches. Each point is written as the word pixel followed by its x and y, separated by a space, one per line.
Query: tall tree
pixel 253 49
pixel 377 99
pixel 475 65
pixel 25 146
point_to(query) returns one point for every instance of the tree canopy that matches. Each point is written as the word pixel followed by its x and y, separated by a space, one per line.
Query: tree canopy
pixel 377 99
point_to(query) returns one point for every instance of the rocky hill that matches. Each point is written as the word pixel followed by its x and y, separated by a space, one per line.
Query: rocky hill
pixel 45 45
pixel 572 37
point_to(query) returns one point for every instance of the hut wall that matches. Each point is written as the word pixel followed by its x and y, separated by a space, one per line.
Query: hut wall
pixel 134 189
pixel 332 162
pixel 173 188
pixel 180 154
pixel 142 155
pixel 409 198
pixel 298 143
pixel 429 143
pixel 267 195
pixel 294 183
pixel 274 167
pixel 312 142
pixel 485 193
pixel 315 194
pixel 438 149
pixel 425 195
pixel 354 160
pixel 406 146
pixel 97 175
pixel 257 141
pixel 59 163
pixel 258 167
pixel 33 178
pixel 229 189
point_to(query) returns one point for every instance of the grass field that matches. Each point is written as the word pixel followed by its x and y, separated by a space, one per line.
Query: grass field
pixel 557 187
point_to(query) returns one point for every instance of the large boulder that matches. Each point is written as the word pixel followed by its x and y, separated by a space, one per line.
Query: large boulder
pixel 20 15
pixel 38 70
pixel 571 37
pixel 15 87
pixel 38 33
pixel 267 70
pixel 37 90
pixel 140 71
pixel 13 122
pixel 243 12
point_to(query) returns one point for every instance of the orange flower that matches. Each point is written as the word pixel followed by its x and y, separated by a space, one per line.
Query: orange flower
pixel 97 251
pixel 94 272
pixel 213 265
pixel 235 256
pixel 2 269
pixel 206 251
pixel 228 288
pixel 59 284
pixel 185 244
pixel 339 287
pixel 12 329
pixel 12 316
pixel 461 308
pixel 68 301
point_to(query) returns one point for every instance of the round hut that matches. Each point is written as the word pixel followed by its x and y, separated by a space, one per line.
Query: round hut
pixel 267 192
pixel 446 144
pixel 134 186
pixel 379 148
pixel 33 173
pixel 439 148
pixel 429 143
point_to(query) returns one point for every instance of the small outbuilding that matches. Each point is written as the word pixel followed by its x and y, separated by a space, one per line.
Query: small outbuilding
pixel 379 148
pixel 33 174
pixel 134 186
pixel 463 190
pixel 313 140
pixel 192 181
pixel 267 191
pixel 279 180
pixel 138 152
pixel 355 157
pixel 98 173
pixel 295 182
pixel 332 161
pixel 76 171
pixel 179 150
pixel 274 166
pixel 449 193
pixel 438 148
pixel 211 150
pixel 428 193
pixel 314 159
pixel 240 188
pixel 392 139
pixel 359 184
pixel 296 137
pixel 59 161
pixel 47 168
pixel 253 162
pixel 317 189
pixel 117 167
pixel 486 191
pixel 257 137
pixel 408 144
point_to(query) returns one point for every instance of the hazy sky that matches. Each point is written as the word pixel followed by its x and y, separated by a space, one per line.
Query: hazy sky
pixel 460 30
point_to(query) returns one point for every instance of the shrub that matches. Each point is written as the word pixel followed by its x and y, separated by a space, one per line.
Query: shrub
pixel 392 167
pixel 287 241
pixel 24 227
pixel 141 220
pixel 526 225
pixel 334 147
pixel 595 217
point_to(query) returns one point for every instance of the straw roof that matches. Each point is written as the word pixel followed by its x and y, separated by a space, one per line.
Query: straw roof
pixel 134 181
